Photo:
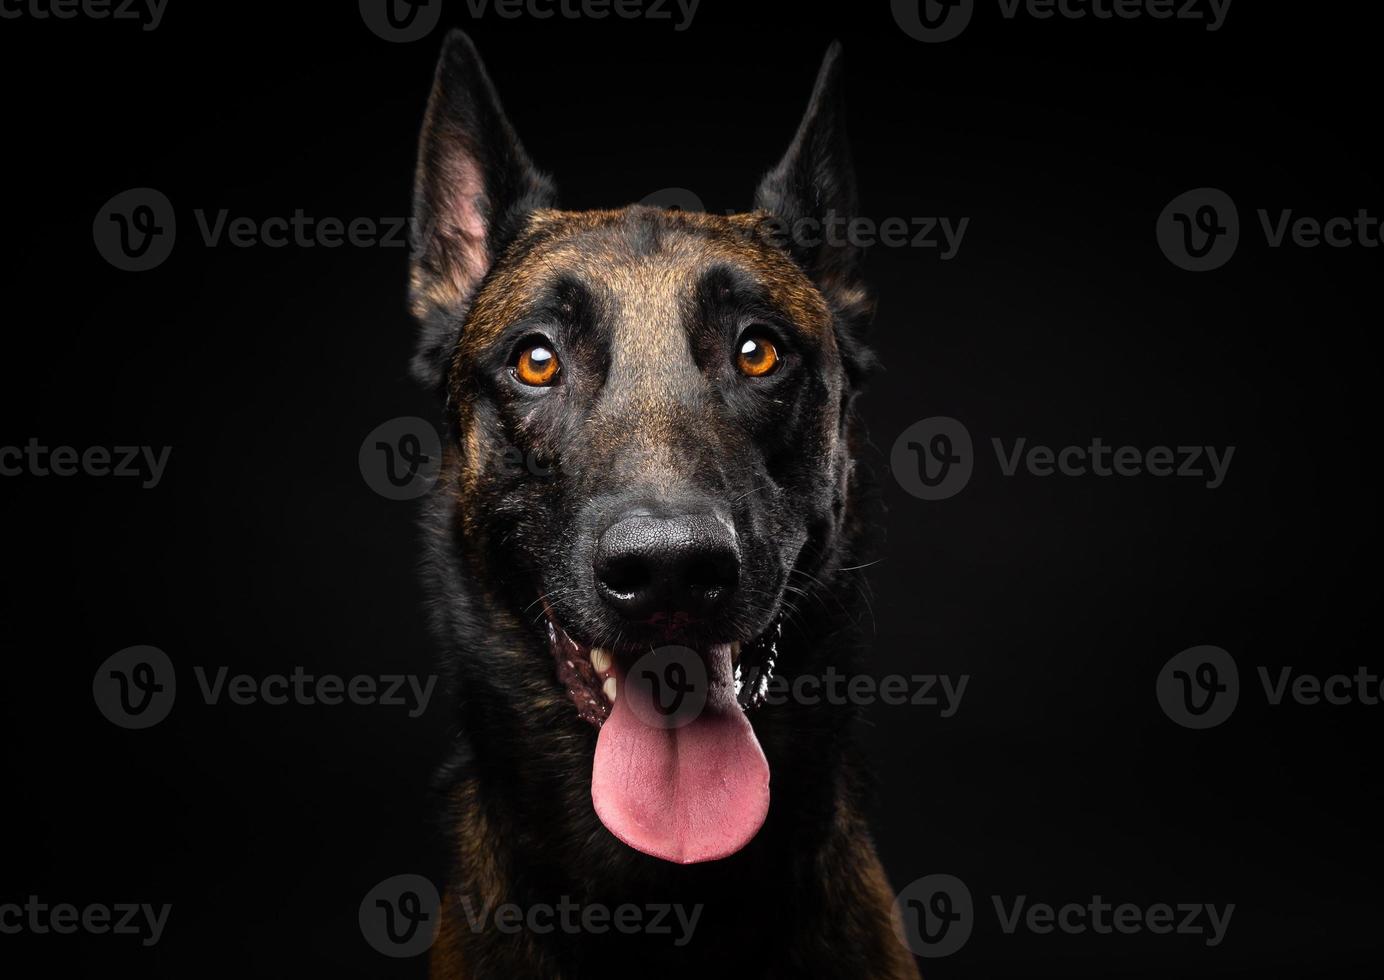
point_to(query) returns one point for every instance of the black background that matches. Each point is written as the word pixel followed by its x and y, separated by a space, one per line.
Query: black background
pixel 1059 320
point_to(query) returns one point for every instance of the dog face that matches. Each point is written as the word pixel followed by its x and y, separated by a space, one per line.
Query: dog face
pixel 649 416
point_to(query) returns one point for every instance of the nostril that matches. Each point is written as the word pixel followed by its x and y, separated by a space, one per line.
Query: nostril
pixel 711 576
pixel 625 576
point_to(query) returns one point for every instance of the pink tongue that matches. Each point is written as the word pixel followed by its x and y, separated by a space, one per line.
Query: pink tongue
pixel 689 794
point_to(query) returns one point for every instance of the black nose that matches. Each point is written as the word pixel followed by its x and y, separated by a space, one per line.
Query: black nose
pixel 650 565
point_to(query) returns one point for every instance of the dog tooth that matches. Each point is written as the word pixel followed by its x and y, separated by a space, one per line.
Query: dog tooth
pixel 609 689
pixel 600 659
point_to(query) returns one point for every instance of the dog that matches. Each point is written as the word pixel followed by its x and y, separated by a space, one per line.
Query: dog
pixel 649 499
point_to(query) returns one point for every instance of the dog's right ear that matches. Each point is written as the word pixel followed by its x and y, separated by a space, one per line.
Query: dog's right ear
pixel 474 187
pixel 813 184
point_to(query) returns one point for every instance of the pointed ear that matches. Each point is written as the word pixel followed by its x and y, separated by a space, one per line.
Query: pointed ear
pixel 474 187
pixel 812 185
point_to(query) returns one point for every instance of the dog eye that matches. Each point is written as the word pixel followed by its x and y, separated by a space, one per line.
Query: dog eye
pixel 536 365
pixel 758 356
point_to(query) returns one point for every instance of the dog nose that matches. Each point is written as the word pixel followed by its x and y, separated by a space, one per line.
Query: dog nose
pixel 647 565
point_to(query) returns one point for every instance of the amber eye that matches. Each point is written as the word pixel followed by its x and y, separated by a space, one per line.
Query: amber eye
pixel 537 365
pixel 757 356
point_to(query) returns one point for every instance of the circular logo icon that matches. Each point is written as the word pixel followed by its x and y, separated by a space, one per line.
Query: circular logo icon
pixel 936 915
pixel 399 916
pixel 1200 687
pixel 400 460
pixel 135 688
pixel 933 459
pixel 1200 230
pixel 401 21
pixel 933 20
pixel 667 687
pixel 674 199
pixel 135 230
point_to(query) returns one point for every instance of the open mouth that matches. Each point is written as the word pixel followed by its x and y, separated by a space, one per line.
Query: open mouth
pixel 589 675
pixel 678 772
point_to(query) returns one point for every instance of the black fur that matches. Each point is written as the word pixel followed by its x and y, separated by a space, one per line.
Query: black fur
pixel 530 477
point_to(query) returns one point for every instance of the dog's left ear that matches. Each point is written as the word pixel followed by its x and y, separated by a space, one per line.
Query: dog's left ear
pixel 813 184
pixel 474 188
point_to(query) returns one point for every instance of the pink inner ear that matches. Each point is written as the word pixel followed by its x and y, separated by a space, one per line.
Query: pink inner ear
pixel 466 193
pixel 469 190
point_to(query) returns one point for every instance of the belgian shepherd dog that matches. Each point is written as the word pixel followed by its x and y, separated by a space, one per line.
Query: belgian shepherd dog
pixel 649 510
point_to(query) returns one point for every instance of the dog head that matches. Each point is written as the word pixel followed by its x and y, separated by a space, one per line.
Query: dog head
pixel 649 453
